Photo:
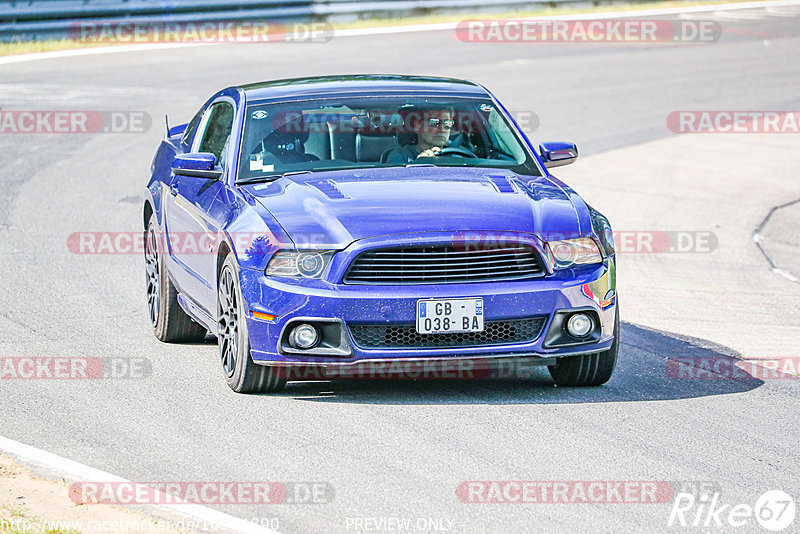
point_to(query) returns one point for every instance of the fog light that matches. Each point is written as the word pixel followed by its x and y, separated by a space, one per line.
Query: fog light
pixel 579 324
pixel 304 337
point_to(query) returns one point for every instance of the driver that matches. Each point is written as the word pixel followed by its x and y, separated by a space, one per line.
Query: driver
pixel 432 129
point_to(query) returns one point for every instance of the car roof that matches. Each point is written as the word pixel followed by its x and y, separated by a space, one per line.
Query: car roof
pixel 359 84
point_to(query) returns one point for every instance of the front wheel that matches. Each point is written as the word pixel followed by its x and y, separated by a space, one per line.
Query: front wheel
pixel 589 369
pixel 242 374
pixel 170 323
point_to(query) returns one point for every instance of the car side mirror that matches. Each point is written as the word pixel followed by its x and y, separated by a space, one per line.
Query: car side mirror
pixel 556 154
pixel 200 165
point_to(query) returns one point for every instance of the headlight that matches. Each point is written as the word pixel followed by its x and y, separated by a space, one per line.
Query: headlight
pixel 574 252
pixel 299 263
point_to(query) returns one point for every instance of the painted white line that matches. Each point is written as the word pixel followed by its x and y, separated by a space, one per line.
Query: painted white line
pixel 784 274
pixel 780 272
pixel 411 28
pixel 82 472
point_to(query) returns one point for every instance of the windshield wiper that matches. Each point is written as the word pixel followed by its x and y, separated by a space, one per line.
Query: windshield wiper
pixel 268 177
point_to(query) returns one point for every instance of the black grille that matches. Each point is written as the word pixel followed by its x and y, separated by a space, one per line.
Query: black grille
pixel 406 336
pixel 437 264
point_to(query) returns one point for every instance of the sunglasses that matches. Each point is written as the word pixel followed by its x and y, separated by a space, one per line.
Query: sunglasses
pixel 446 123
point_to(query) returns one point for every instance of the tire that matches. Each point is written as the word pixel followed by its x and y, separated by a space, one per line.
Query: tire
pixel 589 369
pixel 170 323
pixel 242 374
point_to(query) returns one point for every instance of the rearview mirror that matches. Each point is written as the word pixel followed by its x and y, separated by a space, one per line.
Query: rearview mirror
pixel 200 165
pixel 556 154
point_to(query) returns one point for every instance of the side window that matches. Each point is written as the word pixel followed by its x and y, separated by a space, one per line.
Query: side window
pixel 191 127
pixel 218 131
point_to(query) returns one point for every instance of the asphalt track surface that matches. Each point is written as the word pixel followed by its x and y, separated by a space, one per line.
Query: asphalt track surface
pixel 400 449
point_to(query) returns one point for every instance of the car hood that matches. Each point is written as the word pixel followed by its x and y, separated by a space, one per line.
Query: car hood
pixel 336 208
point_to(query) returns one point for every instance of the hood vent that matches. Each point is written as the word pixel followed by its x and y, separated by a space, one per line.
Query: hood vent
pixel 502 184
pixel 329 189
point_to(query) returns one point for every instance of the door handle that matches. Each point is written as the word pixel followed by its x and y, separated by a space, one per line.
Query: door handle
pixel 173 188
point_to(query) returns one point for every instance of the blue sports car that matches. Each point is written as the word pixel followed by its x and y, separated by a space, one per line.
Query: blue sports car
pixel 375 225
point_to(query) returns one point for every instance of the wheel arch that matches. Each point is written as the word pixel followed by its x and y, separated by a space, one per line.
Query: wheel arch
pixel 223 251
pixel 147 212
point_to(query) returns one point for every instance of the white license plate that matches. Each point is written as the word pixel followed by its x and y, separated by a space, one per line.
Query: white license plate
pixel 438 316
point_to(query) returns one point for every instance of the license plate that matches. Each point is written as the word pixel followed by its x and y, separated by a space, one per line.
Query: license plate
pixel 438 316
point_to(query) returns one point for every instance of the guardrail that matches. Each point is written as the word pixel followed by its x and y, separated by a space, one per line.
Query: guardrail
pixel 32 20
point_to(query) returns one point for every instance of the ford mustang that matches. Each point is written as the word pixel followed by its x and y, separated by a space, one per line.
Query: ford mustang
pixel 399 223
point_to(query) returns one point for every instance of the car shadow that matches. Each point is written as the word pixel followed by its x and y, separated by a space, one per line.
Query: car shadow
pixel 209 339
pixel 646 371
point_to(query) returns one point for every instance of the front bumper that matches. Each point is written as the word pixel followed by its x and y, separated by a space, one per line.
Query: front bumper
pixel 588 287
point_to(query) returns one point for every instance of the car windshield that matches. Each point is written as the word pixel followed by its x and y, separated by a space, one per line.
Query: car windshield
pixel 369 132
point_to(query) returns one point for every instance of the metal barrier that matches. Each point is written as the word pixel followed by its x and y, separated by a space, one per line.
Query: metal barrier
pixel 32 20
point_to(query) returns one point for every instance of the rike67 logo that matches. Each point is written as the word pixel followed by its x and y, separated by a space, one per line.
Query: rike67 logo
pixel 774 510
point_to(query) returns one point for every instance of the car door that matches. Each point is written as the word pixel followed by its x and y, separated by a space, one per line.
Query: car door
pixel 193 214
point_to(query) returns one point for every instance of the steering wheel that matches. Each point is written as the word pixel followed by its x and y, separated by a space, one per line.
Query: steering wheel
pixel 456 151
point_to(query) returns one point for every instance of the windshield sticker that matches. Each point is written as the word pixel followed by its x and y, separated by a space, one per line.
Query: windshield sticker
pixel 260 114
pixel 256 164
